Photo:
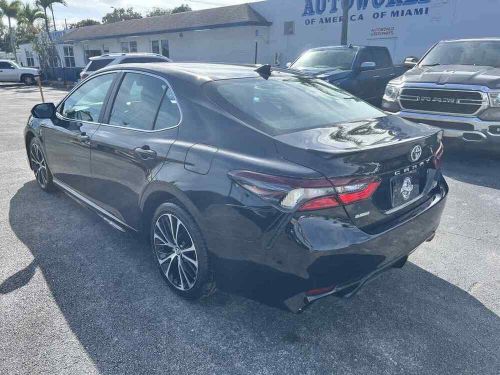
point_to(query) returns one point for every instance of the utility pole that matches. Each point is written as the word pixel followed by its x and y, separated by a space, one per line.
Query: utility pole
pixel 345 22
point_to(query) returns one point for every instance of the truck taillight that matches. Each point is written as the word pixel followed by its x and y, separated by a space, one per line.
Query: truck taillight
pixel 305 194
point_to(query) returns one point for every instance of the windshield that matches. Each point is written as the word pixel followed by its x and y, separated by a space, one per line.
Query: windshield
pixel 284 105
pixel 474 52
pixel 337 58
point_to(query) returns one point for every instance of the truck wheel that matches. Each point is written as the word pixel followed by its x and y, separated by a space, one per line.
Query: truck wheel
pixel 28 79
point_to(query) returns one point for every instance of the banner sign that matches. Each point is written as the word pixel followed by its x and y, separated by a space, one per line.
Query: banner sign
pixel 330 11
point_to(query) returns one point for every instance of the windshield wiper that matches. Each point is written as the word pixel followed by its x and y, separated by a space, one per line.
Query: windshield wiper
pixel 435 64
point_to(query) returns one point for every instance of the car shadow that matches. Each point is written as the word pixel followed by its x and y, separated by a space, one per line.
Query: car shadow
pixel 472 166
pixel 117 305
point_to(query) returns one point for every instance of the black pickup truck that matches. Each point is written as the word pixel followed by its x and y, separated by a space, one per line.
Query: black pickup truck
pixel 455 87
pixel 364 71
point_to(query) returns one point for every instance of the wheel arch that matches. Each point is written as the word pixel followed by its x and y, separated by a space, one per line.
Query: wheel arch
pixel 161 192
pixel 25 75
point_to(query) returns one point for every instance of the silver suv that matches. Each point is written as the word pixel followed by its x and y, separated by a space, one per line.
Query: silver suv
pixel 100 62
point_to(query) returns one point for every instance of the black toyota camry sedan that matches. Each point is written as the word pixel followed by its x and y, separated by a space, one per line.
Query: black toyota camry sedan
pixel 253 180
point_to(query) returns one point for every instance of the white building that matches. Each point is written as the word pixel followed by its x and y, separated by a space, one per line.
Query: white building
pixel 277 31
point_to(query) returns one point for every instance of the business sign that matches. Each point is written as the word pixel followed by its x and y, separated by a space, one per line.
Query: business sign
pixel 330 11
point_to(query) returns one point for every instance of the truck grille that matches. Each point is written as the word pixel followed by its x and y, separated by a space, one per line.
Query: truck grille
pixel 442 101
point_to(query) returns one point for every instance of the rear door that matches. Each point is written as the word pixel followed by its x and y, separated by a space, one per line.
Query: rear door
pixel 131 146
pixel 384 70
pixel 67 139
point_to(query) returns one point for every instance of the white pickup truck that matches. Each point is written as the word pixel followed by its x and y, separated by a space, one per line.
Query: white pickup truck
pixel 12 72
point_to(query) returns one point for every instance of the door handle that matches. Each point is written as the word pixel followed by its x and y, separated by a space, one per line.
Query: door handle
pixel 145 152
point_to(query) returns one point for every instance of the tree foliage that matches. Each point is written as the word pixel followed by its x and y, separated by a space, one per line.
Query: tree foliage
pixel 121 14
pixel 83 23
pixel 156 11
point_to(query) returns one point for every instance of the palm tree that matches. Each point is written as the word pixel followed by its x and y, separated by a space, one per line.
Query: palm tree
pixel 29 14
pixel 47 4
pixel 11 10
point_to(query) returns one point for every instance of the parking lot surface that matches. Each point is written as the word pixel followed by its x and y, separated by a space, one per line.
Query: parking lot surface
pixel 78 297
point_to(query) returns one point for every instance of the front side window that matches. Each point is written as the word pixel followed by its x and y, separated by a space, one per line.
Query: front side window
pixel 381 58
pixel 6 65
pixel 137 102
pixel 86 102
pixel 473 52
pixel 333 58
pixel 284 105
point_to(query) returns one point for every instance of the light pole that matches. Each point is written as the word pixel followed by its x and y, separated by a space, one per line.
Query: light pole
pixel 345 22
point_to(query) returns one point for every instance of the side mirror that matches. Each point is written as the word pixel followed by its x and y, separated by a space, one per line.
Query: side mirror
pixel 288 65
pixel 367 65
pixel 44 110
pixel 410 62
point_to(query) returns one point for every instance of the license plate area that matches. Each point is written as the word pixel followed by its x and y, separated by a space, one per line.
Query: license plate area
pixel 405 188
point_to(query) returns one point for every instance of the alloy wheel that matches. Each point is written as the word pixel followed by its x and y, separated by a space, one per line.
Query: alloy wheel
pixel 39 165
pixel 175 252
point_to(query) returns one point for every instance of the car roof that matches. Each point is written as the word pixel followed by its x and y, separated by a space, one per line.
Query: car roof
pixel 130 54
pixel 199 73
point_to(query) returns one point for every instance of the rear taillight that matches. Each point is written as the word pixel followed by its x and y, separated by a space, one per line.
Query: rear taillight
pixel 438 156
pixel 305 194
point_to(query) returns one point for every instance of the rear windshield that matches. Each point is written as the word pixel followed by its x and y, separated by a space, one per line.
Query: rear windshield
pixel 284 105
pixel 98 64
pixel 472 52
pixel 336 58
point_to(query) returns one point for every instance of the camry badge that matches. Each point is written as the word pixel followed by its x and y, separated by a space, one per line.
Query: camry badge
pixel 407 188
pixel 416 153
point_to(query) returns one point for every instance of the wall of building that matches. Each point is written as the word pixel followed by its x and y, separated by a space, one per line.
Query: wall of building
pixel 406 27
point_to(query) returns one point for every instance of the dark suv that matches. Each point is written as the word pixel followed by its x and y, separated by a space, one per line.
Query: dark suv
pixel 257 181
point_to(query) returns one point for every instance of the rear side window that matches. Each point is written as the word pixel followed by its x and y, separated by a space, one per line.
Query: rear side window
pixel 98 64
pixel 137 101
pixel 169 114
pixel 86 102
pixel 141 60
pixel 382 58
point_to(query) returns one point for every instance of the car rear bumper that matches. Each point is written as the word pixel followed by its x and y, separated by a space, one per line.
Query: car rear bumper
pixel 326 254
pixel 465 128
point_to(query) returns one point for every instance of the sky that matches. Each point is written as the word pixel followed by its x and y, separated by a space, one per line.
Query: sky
pixel 95 9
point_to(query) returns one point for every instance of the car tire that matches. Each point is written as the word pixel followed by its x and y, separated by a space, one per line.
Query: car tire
pixel 28 79
pixel 180 252
pixel 39 166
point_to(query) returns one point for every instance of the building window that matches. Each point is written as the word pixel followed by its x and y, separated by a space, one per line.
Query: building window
pixel 105 50
pixel 160 47
pixel 129 46
pixel 30 60
pixel 289 27
pixel 91 53
pixel 69 57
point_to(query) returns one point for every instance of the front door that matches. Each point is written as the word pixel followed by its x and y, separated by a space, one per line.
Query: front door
pixel 68 138
pixel 8 73
pixel 132 144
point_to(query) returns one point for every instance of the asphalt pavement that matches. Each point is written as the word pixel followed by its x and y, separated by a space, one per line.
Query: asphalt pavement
pixel 78 297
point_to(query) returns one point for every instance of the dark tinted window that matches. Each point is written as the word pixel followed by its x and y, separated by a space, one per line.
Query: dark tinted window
pixel 472 52
pixel 6 65
pixel 169 114
pixel 98 64
pixel 141 60
pixel 86 102
pixel 382 58
pixel 137 101
pixel 366 55
pixel 340 58
pixel 283 105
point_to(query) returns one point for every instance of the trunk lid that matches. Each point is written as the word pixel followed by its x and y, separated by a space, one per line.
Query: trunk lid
pixel 388 149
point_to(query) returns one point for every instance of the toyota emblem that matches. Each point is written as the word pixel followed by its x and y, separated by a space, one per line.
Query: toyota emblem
pixel 416 153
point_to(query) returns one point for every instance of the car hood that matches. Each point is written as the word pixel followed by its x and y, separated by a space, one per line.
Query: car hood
pixel 330 74
pixel 455 74
pixel 29 70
